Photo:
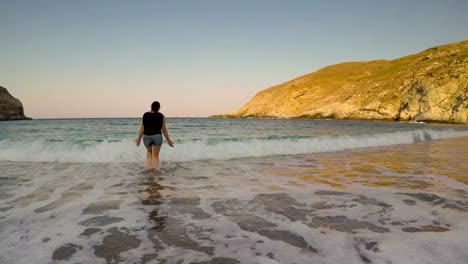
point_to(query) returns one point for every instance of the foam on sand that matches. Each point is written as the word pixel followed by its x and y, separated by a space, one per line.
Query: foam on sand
pixel 314 208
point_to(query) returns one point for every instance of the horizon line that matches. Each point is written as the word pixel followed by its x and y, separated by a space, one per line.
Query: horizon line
pixel 55 118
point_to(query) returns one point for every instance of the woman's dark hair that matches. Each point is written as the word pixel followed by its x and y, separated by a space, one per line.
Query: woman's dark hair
pixel 155 106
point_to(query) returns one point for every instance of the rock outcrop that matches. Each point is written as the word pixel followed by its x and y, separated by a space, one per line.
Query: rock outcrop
pixel 10 107
pixel 430 86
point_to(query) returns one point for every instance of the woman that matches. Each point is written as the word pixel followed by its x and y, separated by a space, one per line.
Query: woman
pixel 150 130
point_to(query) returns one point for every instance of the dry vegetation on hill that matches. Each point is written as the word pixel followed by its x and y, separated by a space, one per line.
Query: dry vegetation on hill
pixel 429 86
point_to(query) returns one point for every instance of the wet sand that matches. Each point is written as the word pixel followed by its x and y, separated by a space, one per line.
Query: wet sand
pixel 398 204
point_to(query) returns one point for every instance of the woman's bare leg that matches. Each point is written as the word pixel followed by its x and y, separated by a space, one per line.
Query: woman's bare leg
pixel 156 150
pixel 149 157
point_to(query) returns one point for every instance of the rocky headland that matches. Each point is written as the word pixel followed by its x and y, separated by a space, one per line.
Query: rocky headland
pixel 10 107
pixel 431 86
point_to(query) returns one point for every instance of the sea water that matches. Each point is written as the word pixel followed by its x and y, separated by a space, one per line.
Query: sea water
pixel 234 191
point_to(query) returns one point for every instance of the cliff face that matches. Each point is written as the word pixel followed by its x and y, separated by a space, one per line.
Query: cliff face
pixel 10 107
pixel 429 86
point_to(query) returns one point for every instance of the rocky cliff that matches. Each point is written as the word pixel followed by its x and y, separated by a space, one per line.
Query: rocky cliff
pixel 10 107
pixel 429 86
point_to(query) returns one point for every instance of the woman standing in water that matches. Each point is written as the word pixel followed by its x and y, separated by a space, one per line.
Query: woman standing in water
pixel 153 123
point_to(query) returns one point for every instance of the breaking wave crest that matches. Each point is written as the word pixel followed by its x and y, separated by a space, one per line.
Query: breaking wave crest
pixel 125 151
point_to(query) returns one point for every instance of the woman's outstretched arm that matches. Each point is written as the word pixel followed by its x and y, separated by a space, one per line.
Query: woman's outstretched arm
pixel 140 135
pixel 166 134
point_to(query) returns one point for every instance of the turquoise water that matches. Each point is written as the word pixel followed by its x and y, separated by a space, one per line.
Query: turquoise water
pixel 191 129
pixel 234 191
pixel 111 140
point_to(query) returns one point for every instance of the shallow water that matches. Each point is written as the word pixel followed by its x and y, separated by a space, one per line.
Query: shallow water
pixel 394 204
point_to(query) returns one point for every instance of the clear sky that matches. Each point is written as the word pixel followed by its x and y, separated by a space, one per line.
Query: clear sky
pixel 197 57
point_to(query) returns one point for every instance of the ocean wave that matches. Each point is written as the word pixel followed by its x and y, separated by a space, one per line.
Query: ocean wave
pixel 126 151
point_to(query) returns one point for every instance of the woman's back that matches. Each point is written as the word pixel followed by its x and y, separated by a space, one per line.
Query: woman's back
pixel 152 123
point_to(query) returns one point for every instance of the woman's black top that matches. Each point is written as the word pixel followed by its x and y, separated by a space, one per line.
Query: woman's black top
pixel 152 123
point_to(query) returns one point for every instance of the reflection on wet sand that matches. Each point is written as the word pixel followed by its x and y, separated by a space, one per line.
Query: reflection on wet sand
pixel 425 166
pixel 154 198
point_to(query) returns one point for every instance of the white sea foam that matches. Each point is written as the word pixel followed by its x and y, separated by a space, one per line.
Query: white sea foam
pixel 232 229
pixel 108 152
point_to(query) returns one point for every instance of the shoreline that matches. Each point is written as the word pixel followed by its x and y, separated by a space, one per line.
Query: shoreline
pixel 17 119
pixel 338 119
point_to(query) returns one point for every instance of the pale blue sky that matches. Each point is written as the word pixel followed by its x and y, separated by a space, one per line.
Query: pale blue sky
pixel 198 58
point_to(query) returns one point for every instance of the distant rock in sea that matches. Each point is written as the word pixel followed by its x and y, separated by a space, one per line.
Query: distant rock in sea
pixel 10 107
pixel 431 86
